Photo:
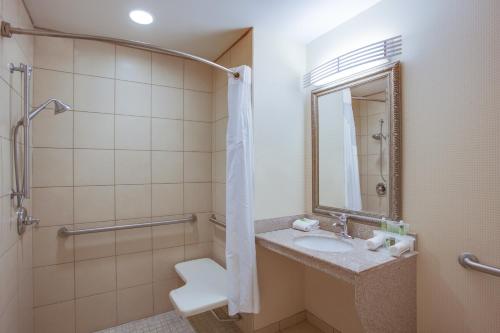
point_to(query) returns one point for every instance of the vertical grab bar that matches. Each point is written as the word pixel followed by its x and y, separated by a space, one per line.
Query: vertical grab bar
pixel 26 122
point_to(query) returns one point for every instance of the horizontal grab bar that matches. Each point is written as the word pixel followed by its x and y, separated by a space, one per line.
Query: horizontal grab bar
pixel 66 232
pixel 470 261
pixel 214 220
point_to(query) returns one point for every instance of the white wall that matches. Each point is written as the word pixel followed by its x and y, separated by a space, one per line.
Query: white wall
pixel 451 140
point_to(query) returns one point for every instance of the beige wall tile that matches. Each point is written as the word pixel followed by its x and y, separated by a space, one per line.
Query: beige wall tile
pixel 168 235
pixel 220 97
pixel 135 303
pixel 133 201
pixel 167 70
pixel 97 245
pixel 95 276
pixel 52 167
pixel 54 53
pixel 51 84
pixel 200 231
pixel 133 99
pixel 53 284
pixel 133 240
pixel 49 248
pixel 5 105
pixel 8 277
pixel 95 58
pixel 167 102
pixel 9 319
pixel 94 130
pixel 94 203
pixel 164 261
pixel 53 205
pixel 220 166
pixel 94 94
pixel 55 318
pixel 161 289
pixel 197 106
pixel 96 312
pixel 94 167
pixel 167 134
pixel 220 198
pixel 197 167
pixel 53 130
pixel 220 134
pixel 197 251
pixel 197 136
pixel 167 167
pixel 132 167
pixel 7 169
pixel 133 133
pixel 197 76
pixel 197 197
pixel 134 269
pixel 167 199
pixel 133 64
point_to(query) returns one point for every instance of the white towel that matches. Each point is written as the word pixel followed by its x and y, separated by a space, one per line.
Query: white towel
pixel 399 248
pixel 375 242
pixel 314 223
pixel 304 225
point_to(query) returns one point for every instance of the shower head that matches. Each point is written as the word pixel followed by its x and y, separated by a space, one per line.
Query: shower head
pixel 59 107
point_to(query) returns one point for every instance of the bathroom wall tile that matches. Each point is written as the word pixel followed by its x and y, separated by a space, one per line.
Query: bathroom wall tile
pixel 52 167
pixel 167 199
pixel 199 231
pixel 164 261
pixel 133 240
pixel 133 133
pixel 161 289
pixel 55 318
pixel 95 58
pixel 94 203
pixel 96 312
pixel 220 134
pixel 220 198
pixel 197 251
pixel 53 284
pixel 94 167
pixel 220 166
pixel 167 167
pixel 166 236
pixel 97 245
pixel 197 167
pixel 8 225
pixel 5 103
pixel 135 303
pixel 197 197
pixel 49 248
pixel 167 70
pixel 95 276
pixel 167 134
pixel 54 53
pixel 219 253
pixel 318 323
pixel 8 277
pixel 9 319
pixel 293 320
pixel 197 76
pixel 51 84
pixel 197 106
pixel 197 136
pixel 220 97
pixel 53 205
pixel 132 167
pixel 134 269
pixel 373 165
pixel 133 64
pixel 133 201
pixel 167 102
pixel 53 130
pixel 94 94
pixel 7 170
pixel 94 130
pixel 133 99
pixel 362 128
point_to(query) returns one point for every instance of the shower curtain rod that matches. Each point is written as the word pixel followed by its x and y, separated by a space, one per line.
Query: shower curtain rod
pixel 7 31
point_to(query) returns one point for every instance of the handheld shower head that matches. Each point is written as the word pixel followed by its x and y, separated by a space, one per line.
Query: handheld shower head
pixel 59 107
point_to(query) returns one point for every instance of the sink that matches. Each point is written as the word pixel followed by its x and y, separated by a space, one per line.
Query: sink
pixel 323 243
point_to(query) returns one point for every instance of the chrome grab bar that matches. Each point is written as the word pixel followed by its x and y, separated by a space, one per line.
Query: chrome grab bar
pixel 470 261
pixel 64 232
pixel 214 220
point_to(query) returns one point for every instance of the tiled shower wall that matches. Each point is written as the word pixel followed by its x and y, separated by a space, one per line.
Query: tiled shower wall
pixel 16 291
pixel 136 148
pixel 240 54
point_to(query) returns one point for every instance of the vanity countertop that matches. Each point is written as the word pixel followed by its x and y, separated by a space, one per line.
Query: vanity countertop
pixel 348 266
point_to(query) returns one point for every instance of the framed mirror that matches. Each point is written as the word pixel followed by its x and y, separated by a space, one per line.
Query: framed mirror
pixel 356 145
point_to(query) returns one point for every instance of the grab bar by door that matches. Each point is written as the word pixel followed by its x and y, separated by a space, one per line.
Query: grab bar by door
pixel 214 220
pixel 470 261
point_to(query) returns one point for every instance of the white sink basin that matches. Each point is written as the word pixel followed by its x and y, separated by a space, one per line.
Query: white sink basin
pixel 323 243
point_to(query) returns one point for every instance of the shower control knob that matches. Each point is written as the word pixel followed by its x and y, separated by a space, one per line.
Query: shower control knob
pixel 30 221
pixel 381 189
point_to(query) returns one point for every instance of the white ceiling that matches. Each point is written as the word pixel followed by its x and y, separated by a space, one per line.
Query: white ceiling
pixel 202 27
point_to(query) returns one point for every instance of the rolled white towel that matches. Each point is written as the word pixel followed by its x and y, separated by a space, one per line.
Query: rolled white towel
pixel 314 223
pixel 303 225
pixel 375 242
pixel 399 248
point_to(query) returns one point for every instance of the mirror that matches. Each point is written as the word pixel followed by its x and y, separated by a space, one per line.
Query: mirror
pixel 356 145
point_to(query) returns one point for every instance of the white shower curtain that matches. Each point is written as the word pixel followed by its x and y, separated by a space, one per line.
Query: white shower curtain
pixel 352 187
pixel 240 234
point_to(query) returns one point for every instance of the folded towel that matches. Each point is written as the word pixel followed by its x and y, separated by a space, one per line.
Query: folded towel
pixel 304 225
pixel 375 242
pixel 314 223
pixel 399 248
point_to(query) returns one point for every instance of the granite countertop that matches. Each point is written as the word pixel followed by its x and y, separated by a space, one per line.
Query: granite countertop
pixel 348 266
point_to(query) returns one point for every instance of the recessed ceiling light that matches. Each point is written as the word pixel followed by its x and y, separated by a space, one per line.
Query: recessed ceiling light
pixel 141 17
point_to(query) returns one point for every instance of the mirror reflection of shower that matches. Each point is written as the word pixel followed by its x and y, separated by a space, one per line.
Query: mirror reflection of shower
pixel 381 188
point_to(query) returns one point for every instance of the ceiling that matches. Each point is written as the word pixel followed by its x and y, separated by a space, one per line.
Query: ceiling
pixel 202 27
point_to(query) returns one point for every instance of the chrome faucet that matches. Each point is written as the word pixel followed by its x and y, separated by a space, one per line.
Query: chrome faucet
pixel 342 223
